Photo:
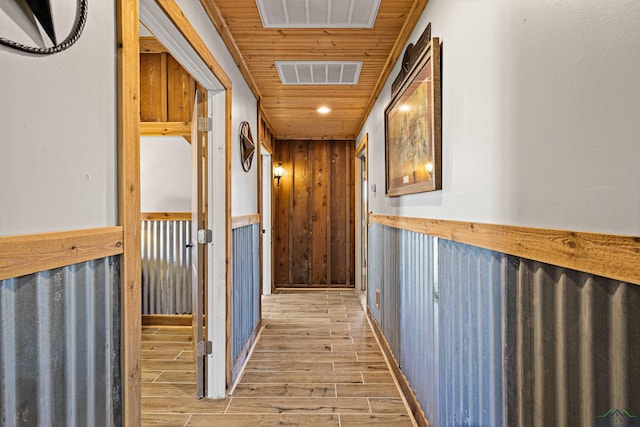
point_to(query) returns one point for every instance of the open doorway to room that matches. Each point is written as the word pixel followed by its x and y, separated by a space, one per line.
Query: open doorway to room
pixel 362 210
pixel 196 94
pixel 173 170
pixel 265 194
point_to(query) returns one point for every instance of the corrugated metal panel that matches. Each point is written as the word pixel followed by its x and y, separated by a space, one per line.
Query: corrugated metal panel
pixel 166 277
pixel 505 341
pixel 574 348
pixel 60 346
pixel 471 283
pixel 245 294
pixel 390 292
pixel 418 312
pixel 401 266
pixel 376 268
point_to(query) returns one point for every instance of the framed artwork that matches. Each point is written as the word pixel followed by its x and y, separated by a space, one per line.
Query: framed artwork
pixel 412 126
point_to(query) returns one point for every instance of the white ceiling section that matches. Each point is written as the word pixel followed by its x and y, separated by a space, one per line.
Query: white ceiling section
pixel 318 13
pixel 319 72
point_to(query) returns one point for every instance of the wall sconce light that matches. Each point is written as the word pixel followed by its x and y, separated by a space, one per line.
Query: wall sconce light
pixel 277 173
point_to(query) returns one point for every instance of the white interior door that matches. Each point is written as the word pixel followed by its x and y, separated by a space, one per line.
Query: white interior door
pixel 267 185
pixel 199 240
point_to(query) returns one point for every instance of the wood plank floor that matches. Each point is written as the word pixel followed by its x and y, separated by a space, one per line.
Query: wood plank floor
pixel 316 363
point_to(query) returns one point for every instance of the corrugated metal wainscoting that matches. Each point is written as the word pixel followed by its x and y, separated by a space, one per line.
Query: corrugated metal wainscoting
pixel 166 273
pixel 60 346
pixel 573 349
pixel 245 294
pixel 487 339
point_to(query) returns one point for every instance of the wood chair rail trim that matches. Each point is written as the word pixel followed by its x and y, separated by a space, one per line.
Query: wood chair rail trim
pixel 165 216
pixel 244 220
pixel 33 253
pixel 606 255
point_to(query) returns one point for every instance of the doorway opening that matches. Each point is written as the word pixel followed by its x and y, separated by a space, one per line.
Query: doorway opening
pixel 362 215
pixel 210 221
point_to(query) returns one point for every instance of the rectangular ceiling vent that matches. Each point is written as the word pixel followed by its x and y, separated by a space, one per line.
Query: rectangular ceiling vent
pixel 319 72
pixel 318 13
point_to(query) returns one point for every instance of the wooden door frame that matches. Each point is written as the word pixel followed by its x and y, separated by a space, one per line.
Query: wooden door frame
pixel 362 148
pixel 128 93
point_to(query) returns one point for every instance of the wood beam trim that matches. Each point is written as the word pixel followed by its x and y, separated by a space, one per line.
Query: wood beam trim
pixel 243 221
pixel 606 255
pixel 175 14
pixel 412 19
pixel 165 216
pixel 33 253
pixel 165 129
pixel 151 45
pixel 219 22
pixel 128 103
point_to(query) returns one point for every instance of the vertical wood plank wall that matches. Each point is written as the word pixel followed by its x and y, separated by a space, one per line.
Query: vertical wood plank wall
pixel 313 214
pixel 166 89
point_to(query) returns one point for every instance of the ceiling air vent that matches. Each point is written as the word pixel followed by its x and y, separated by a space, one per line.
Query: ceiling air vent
pixel 319 72
pixel 318 13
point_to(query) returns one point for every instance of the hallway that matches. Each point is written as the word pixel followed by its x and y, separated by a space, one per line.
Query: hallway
pixel 316 363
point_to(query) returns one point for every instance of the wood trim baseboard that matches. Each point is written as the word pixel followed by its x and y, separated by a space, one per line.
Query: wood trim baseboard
pixel 33 253
pixel 238 366
pixel 244 220
pixel 607 255
pixel 165 129
pixel 409 395
pixel 165 216
pixel 167 320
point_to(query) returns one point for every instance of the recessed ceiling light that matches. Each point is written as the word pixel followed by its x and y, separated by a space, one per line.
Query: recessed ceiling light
pixel 324 110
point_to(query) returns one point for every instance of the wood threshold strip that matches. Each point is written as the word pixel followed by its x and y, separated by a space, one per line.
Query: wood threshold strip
pixel 606 255
pixel 33 253
pixel 408 392
pixel 243 221
pixel 165 129
pixel 165 216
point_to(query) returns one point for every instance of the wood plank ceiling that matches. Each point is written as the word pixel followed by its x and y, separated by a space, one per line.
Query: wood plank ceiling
pixel 291 110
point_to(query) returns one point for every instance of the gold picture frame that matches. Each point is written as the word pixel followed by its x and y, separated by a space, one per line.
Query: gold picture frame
pixel 413 141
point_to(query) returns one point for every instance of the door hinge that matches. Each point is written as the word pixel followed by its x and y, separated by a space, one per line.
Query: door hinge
pixel 205 124
pixel 205 236
pixel 204 348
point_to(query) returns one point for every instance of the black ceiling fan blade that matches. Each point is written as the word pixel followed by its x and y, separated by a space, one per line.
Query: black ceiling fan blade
pixel 41 9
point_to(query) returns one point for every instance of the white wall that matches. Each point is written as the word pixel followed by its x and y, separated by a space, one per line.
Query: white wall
pixel 165 174
pixel 244 194
pixel 58 128
pixel 541 119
